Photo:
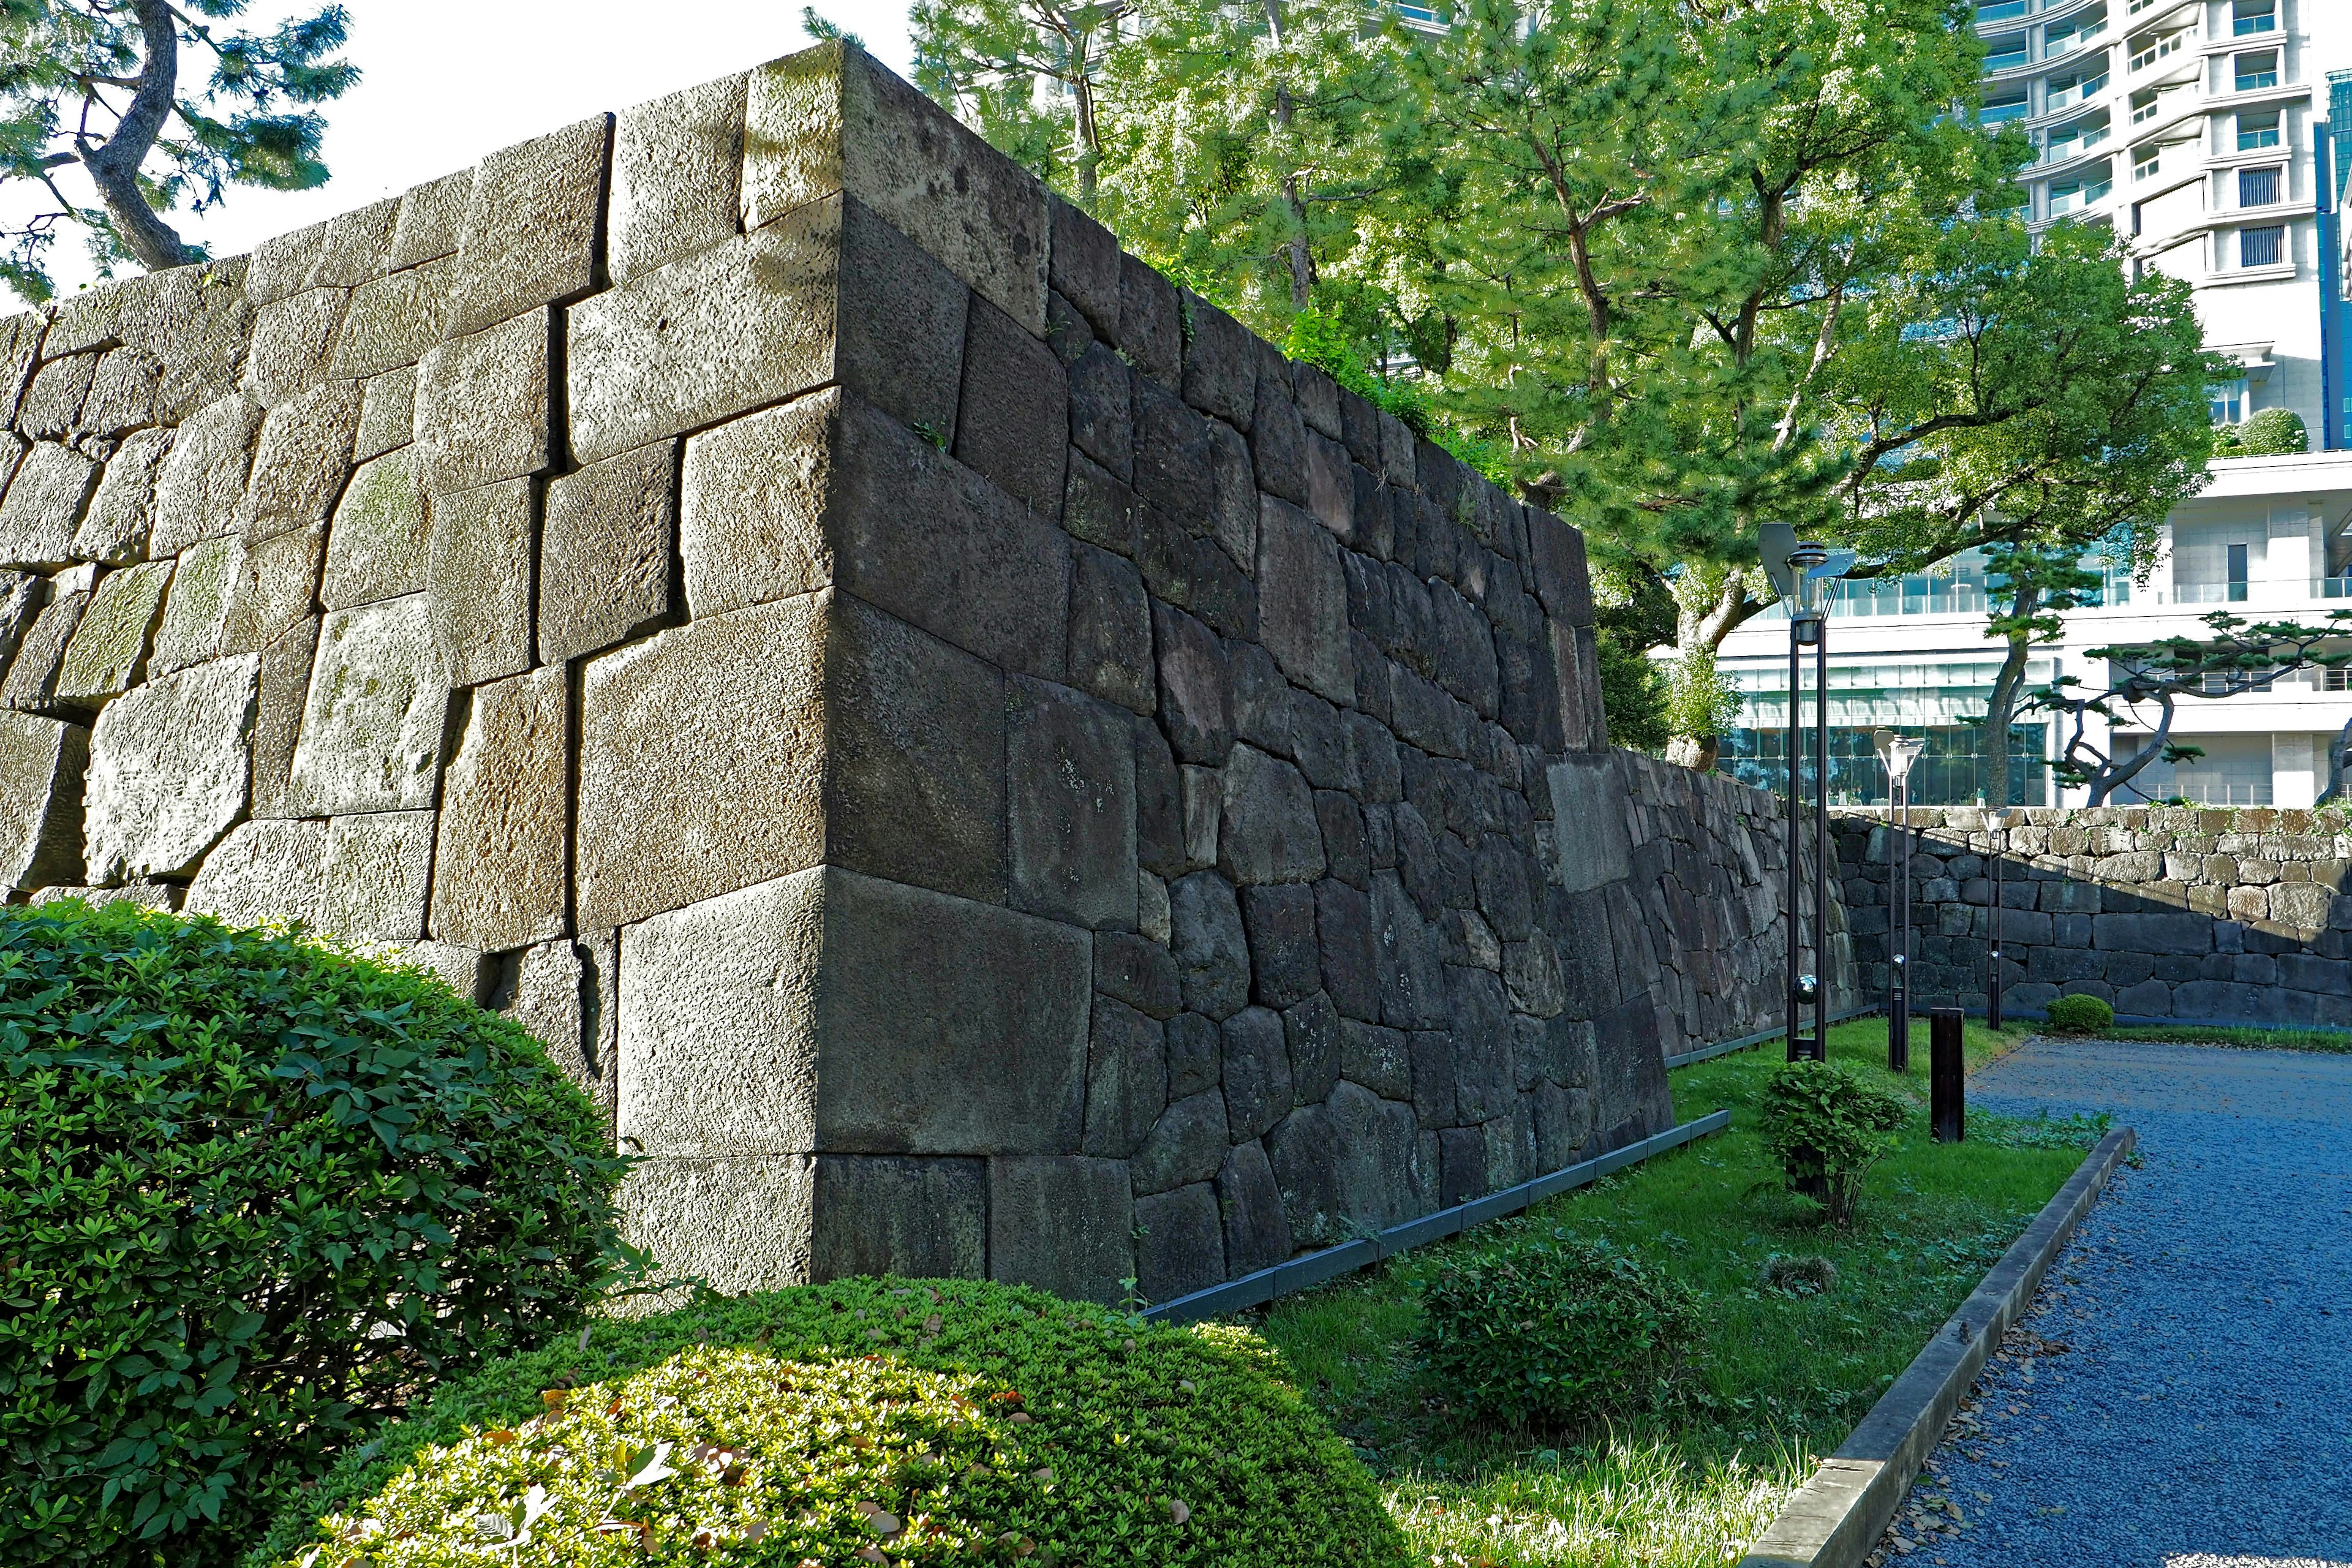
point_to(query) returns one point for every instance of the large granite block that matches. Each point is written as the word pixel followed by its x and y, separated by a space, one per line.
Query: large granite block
pixel 608 553
pixel 501 873
pixel 42 761
pixel 478 572
pixel 534 227
pixel 1070 797
pixel 378 546
pixel 202 486
pixel 43 508
pixel 1063 1224
pixel 169 770
pixel 372 720
pixel 108 653
pixel 890 1214
pixel 743 1223
pixel 677 163
pixel 482 409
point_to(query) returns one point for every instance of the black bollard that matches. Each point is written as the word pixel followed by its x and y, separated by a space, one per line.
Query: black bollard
pixel 1948 1081
pixel 1898 1032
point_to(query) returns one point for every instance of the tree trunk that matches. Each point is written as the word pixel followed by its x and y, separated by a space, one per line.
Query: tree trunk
pixel 2002 705
pixel 114 167
pixel 2113 776
pixel 1704 625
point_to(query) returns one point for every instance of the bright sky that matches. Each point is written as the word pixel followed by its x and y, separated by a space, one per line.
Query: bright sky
pixel 445 82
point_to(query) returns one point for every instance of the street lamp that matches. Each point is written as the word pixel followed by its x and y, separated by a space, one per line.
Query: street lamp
pixel 1802 573
pixel 1999 820
pixel 1898 753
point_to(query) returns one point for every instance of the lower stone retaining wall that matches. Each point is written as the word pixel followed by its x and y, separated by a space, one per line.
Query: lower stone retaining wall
pixel 2164 912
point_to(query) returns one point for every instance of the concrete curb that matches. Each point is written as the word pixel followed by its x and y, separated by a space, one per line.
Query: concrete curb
pixel 1836 1518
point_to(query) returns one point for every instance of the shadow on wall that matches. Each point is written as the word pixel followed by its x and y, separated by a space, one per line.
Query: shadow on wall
pixel 2236 917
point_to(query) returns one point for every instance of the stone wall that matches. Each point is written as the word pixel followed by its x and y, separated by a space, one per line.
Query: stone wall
pixel 980 764
pixel 2226 916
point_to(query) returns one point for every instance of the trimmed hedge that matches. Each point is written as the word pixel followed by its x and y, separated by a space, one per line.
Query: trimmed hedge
pixel 2078 1015
pixel 259 1195
pixel 897 1420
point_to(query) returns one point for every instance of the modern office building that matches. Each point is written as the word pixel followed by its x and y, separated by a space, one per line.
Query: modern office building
pixel 2212 132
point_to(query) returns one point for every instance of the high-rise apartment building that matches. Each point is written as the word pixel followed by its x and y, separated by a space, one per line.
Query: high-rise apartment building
pixel 2213 134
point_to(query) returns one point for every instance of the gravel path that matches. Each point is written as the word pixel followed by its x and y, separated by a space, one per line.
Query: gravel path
pixel 2180 1393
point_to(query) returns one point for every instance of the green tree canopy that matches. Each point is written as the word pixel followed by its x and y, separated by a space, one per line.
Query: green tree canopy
pixel 98 84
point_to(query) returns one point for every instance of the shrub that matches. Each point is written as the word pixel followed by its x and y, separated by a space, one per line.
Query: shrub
pixel 1827 1126
pixel 908 1421
pixel 259 1195
pixel 1555 1332
pixel 1811 1275
pixel 2272 433
pixel 2078 1015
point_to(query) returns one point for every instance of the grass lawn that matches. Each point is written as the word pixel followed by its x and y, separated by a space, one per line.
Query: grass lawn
pixel 2260 1040
pixel 1783 1377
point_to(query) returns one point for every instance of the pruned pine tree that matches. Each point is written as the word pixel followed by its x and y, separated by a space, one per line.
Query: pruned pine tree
pixel 154 105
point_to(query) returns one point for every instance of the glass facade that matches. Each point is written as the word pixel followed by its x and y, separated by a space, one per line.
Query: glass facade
pixel 1950 771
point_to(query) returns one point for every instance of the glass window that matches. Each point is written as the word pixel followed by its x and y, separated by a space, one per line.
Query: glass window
pixel 2257 188
pixel 2008 104
pixel 2261 246
pixel 2257 131
pixel 2227 401
pixel 2251 16
pixel 2002 53
pixel 2000 10
pixel 2257 71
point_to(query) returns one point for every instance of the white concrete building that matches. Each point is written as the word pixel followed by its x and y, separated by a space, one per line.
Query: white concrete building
pixel 2203 129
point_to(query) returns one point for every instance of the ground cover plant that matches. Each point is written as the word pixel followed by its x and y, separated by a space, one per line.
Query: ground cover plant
pixel 1779 1375
pixel 257 1194
pixel 866 1420
pixel 2250 1039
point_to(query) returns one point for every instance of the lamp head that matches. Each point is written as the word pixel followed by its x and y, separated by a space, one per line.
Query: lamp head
pixel 1898 753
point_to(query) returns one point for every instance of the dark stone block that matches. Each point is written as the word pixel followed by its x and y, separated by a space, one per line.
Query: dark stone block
pixel 1181 1243
pixel 1257 1233
pixel 1219 364
pixel 1151 325
pixel 2147 999
pixel 1195 706
pixel 1211 950
pixel 1411 981
pixel 1071 831
pixel 1102 410
pixel 2325 976
pixel 1138 971
pixel 1379 1058
pixel 1097 507
pixel 2071 931
pixel 1110 630
pixel 2223 1000
pixel 1159 804
pixel 1067 332
pixel 1359 429
pixel 1432 1078
pixel 1187 1144
pixel 1311 1031
pixel 1172 456
pixel 1257 1085
pixel 1506 883
pixel 2127 969
pixel 1234 523
pixel 887 1214
pixel 1483 1048
pixel 2059 965
pixel 1556 569
pixel 1195 1053
pixel 1349 953
pixel 1462 1153
pixel 1084 267
pixel 1278 445
pixel 2159 933
pixel 1563 1126
pixel 1126 1079
pixel 1015 422
pixel 1633 1078
pixel 1375 759
pixel 1285 960
pixel 1345 850
pixel 1063 1225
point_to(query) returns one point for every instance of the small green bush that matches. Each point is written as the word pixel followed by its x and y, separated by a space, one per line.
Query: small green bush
pixel 1554 1333
pixel 2078 1015
pixel 2272 433
pixel 882 1420
pixel 257 1195
pixel 1827 1126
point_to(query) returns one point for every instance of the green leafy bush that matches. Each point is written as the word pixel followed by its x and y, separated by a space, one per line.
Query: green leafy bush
pixel 2078 1015
pixel 257 1195
pixel 1555 1332
pixel 2272 433
pixel 907 1421
pixel 1827 1126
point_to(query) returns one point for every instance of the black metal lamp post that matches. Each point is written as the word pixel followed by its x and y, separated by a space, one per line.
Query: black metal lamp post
pixel 1898 753
pixel 1997 820
pixel 1802 573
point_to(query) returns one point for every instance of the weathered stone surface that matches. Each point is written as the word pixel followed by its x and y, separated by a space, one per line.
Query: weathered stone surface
pixel 1150 322
pixel 277 713
pixel 1588 792
pixel 1212 949
pixel 283 264
pixel 1411 982
pixel 1221 362
pixel 1311 1031
pixel 1257 1233
pixel 387 413
pixel 392 322
pixel 1234 521
pixel 829 490
pixel 293 340
pixel 1102 410
pixel 887 1214
pixel 828 294
pixel 1483 1048
pixel 1063 1224
pixel 1139 972
pixel 1257 1085
pixel 115 527
pixel 1110 629
pixel 1188 1144
pixel 1195 703
pixel 43 508
pixel 373 718
pixel 1284 962
pixel 608 553
pixel 546 994
pixel 169 770
pixel 482 406
pixel 1084 266
pixel 501 873
pixel 676 165
pixel 202 487
pixel 1195 1055
pixel 1127 1078
pixel 1172 470
pixel 1070 794
pixel 302 459
pixel 830 120
pixel 53 401
pixel 121 396
pixel 21 597
pixel 1013 421
pixel 1182 1243
pixel 1379 1058
pixel 378 546
pixel 197 604
pixel 741 1223
pixel 108 653
pixel 376 868
pixel 357 245
pixel 1303 601
pixel 146 895
pixel 477 581
pixel 432 221
pixel 532 230
pixel 42 761
pixel 1266 830
pixel 1346 1164
pixel 273 585
pixel 32 679
pixel 265 871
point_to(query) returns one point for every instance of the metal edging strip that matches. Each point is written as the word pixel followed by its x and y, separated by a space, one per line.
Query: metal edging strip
pixel 1255 1290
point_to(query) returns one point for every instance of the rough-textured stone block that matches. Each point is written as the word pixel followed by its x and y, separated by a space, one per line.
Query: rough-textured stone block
pixel 1411 982
pixel 301 460
pixel 1084 266
pixel 432 221
pixel 1312 1033
pixel 108 653
pixel 1102 410
pixel 120 517
pixel 53 401
pixel 1221 362
pixel 1070 795
pixel 202 486
pixel 273 585
pixel 1173 469
pixel 264 872
pixel 42 761
pixel 1139 972
pixel 1379 1058
pixel 482 406
pixel 393 322
pixel 1266 830
pixel 32 679
pixel 534 227
pixel 378 546
pixel 1257 1233
pixel 1013 421
pixel 1284 962
pixel 1188 1144
pixel 1159 806
pixel 477 581
pixel 195 605
pixel 357 246
pixel 1303 601
pixel 830 491
pixel 894 764
pixel 293 342
pixel 169 770
pixel 828 294
pixel 376 868
pixel 1110 629
pixel 1257 1085
pixel 1212 948
pixel 829 119
pixel 500 874
pixel 919 1218
pixel 43 508
pixel 387 413
pixel 608 553
pixel 1180 1245
pixel 1195 701
pixel 1127 1078
pixel 372 719
pixel 1195 1055
pixel 277 714
pixel 677 163
pixel 743 1223
pixel 1150 322
pixel 1063 1224
pixel 121 396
